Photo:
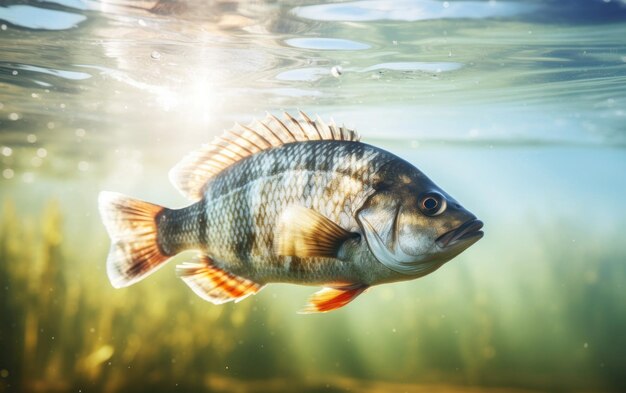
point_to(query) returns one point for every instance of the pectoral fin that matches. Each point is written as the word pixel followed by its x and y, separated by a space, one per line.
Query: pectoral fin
pixel 304 232
pixel 214 284
pixel 329 299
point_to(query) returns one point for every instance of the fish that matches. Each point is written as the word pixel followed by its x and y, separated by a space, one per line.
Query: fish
pixel 293 201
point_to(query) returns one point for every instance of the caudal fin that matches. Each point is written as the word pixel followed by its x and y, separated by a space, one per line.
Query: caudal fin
pixel 132 228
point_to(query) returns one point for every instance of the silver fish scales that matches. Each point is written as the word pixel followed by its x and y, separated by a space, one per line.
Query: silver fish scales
pixel 293 201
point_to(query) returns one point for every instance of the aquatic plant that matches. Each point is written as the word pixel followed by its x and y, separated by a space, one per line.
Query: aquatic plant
pixel 63 328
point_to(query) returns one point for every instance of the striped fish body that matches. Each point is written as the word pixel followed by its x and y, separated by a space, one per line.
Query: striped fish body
pixel 237 219
pixel 294 201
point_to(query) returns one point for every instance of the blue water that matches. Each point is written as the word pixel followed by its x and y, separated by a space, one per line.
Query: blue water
pixel 516 108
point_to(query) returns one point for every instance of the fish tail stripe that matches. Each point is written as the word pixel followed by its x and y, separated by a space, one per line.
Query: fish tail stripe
pixel 131 225
pixel 214 284
pixel 193 172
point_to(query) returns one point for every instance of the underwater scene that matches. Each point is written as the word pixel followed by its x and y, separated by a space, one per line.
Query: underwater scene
pixel 515 108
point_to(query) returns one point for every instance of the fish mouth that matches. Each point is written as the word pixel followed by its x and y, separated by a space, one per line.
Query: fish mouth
pixel 469 230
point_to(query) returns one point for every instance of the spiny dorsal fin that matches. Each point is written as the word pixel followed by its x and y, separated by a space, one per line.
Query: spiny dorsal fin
pixel 192 172
pixel 303 232
pixel 214 284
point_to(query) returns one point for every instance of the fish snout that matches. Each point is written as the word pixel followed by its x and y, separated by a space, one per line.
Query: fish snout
pixel 468 232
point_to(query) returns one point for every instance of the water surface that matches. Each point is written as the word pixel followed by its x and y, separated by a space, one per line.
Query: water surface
pixel 516 108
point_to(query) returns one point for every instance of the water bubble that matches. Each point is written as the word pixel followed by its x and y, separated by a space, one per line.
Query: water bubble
pixel 6 151
pixel 13 116
pixel 31 138
pixel 394 42
pixel 1 105
pixel 8 173
pixel 142 23
pixel 446 4
pixel 41 152
pixel 28 177
pixel 83 166
pixel 585 345
pixel 336 71
pixel 155 55
pixel 14 72
pixel 36 161
pixel 50 125
pixel 80 132
pixel 35 95
pixel 3 27
pixel 62 106
pixel 4 372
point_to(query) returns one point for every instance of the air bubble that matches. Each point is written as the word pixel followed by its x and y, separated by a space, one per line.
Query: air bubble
pixel 31 138
pixel 13 116
pixel 8 173
pixel 80 132
pixel 6 151
pixel 83 166
pixel 41 152
pixel 155 55
pixel 28 177
pixel 336 71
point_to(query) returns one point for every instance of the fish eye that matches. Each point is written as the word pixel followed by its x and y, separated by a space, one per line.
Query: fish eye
pixel 432 203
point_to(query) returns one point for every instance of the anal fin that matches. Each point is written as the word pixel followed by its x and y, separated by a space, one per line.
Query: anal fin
pixel 214 284
pixel 329 299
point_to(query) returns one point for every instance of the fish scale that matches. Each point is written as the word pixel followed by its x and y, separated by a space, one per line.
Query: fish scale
pixel 262 186
pixel 295 201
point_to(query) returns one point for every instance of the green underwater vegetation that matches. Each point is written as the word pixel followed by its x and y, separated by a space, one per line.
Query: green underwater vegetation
pixel 63 328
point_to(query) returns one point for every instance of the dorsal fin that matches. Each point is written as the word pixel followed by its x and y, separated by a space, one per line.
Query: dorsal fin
pixel 191 174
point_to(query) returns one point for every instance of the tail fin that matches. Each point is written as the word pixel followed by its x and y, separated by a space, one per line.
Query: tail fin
pixel 131 225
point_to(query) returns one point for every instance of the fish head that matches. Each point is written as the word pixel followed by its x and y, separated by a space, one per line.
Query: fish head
pixel 413 227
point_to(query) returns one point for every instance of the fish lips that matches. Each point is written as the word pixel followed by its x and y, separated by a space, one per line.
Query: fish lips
pixel 468 232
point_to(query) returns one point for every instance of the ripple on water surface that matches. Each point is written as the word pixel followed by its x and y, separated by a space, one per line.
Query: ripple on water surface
pixel 407 10
pixel 409 66
pixel 326 44
pixel 40 18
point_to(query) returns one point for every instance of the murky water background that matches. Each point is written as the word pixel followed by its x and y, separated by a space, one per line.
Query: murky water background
pixel 518 109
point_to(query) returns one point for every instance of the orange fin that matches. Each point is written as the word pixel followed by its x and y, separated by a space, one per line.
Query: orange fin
pixel 132 228
pixel 214 284
pixel 303 232
pixel 329 299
